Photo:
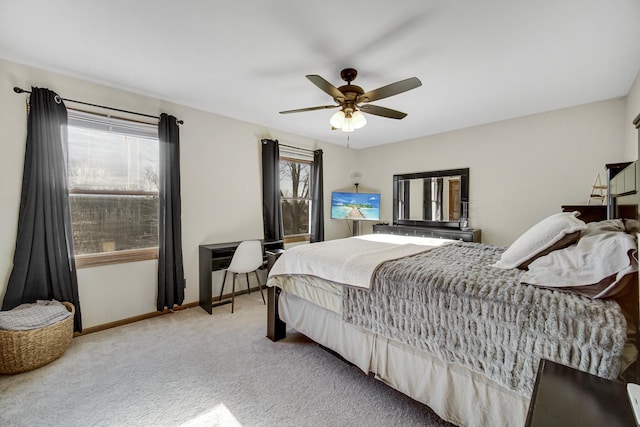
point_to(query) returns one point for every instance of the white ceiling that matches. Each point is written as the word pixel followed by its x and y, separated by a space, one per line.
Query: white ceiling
pixel 479 61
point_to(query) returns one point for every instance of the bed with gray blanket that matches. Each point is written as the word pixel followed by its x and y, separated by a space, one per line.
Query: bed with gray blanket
pixel 447 327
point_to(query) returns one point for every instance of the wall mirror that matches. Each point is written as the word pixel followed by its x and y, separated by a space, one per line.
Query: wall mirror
pixel 431 199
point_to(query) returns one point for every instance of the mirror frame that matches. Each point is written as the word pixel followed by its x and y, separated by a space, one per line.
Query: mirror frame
pixel 464 196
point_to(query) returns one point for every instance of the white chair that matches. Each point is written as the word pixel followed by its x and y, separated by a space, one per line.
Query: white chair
pixel 246 259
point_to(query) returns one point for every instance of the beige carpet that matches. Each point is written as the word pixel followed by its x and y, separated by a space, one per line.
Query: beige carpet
pixel 188 368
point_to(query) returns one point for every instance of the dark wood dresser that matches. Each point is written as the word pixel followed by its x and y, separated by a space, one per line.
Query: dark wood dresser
pixel 588 213
pixel 436 232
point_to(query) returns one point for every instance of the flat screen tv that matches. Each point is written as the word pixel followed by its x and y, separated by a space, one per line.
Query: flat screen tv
pixel 355 206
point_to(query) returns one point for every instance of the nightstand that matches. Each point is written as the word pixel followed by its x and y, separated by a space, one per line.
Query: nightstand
pixel 564 396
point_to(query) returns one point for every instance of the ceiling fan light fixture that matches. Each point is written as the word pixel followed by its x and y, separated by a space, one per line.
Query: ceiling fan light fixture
pixel 349 96
pixel 348 120
pixel 348 125
pixel 358 120
pixel 337 120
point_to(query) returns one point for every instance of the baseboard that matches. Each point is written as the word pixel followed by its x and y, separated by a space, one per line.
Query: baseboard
pixel 151 315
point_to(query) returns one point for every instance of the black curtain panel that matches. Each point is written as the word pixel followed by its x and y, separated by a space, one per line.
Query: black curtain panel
pixel 44 265
pixel 317 199
pixel 171 282
pixel 271 209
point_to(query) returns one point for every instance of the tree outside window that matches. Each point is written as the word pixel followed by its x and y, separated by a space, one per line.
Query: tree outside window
pixel 295 197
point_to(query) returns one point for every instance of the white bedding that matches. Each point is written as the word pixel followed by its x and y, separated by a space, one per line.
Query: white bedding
pixel 351 261
pixel 314 289
pixel 456 394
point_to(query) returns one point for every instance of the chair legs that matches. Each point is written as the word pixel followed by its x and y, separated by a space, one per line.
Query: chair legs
pixel 224 279
pixel 259 285
pixel 233 292
pixel 233 289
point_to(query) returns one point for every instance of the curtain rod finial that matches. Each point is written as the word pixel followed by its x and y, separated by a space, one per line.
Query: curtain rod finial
pixel 16 89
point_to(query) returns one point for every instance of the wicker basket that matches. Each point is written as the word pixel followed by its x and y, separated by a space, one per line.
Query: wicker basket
pixel 22 351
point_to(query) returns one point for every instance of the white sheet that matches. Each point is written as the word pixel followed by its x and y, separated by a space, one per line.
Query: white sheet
pixel 313 289
pixel 351 261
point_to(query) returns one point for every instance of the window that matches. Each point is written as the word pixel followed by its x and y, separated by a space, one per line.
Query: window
pixel 295 198
pixel 113 167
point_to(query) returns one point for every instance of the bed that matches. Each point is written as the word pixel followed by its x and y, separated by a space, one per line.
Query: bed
pixel 461 327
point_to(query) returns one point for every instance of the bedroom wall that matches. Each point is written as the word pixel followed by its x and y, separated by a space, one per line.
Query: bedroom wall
pixel 521 170
pixel 221 201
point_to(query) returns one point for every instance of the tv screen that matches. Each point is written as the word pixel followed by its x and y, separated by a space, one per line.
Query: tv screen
pixel 356 206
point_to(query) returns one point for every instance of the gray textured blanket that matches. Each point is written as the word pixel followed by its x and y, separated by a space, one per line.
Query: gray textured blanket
pixel 452 303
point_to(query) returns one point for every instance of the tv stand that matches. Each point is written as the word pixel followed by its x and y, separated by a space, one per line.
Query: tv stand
pixel 472 235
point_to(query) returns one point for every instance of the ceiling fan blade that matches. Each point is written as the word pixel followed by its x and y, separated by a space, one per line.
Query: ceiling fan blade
pixel 300 110
pixel 382 111
pixel 390 90
pixel 326 87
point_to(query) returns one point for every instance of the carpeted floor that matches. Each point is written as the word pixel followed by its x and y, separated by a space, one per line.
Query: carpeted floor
pixel 191 369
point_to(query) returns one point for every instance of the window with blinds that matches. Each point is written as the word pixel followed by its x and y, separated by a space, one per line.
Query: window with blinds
pixel 113 167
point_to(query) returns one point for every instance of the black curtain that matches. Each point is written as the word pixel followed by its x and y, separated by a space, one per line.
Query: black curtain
pixel 171 281
pixel 271 209
pixel 317 199
pixel 44 265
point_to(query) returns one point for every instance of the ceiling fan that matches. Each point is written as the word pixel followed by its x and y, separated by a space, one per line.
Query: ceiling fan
pixel 352 100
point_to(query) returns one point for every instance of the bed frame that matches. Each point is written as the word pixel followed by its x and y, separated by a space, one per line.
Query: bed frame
pixel 276 328
pixel 626 205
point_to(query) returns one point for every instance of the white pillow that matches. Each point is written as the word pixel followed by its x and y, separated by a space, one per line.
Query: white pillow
pixel 540 238
pixel 598 261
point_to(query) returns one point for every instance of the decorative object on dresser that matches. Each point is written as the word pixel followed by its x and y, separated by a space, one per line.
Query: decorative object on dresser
pixel 598 194
pixel 431 204
pixel 618 183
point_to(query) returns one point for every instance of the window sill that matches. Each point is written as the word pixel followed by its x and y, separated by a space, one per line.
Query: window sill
pixel 297 238
pixel 116 257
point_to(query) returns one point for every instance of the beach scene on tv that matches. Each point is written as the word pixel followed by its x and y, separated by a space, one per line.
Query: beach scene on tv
pixel 357 206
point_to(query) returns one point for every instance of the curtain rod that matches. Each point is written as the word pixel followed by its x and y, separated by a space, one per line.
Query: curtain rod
pixel 297 148
pixel 16 89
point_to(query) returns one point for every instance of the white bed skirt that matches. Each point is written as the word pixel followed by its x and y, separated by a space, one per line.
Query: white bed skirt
pixel 456 394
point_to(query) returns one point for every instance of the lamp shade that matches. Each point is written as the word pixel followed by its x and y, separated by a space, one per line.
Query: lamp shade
pixel 358 120
pixel 348 126
pixel 337 120
pixel 348 121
